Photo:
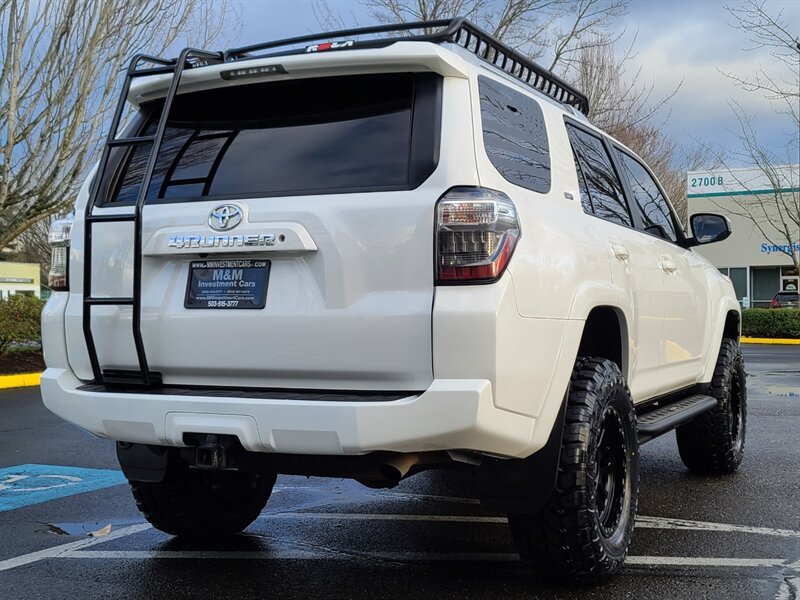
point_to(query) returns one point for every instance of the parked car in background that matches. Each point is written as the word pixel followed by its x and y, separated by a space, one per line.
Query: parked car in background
pixel 786 300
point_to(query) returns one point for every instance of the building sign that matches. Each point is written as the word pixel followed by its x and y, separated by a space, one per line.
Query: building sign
pixel 16 280
pixel 739 182
pixel 767 248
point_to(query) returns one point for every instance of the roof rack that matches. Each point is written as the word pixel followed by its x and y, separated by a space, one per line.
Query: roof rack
pixel 459 31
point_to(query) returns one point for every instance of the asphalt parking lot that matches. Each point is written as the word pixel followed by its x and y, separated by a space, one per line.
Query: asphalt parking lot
pixel 696 537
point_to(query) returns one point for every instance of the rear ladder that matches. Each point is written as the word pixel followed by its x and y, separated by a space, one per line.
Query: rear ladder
pixel 164 66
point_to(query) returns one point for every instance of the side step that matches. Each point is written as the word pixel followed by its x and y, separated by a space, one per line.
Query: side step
pixel 664 418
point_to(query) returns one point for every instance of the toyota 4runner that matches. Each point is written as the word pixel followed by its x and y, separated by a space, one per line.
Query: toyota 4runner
pixel 370 257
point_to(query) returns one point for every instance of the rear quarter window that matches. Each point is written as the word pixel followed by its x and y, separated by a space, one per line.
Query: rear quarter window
pixel 514 135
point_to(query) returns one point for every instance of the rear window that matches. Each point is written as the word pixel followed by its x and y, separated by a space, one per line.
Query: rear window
pixel 309 136
pixel 788 296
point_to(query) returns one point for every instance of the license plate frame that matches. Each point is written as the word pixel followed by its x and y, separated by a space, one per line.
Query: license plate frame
pixel 230 284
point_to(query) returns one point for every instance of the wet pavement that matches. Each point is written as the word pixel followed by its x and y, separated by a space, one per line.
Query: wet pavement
pixel 696 537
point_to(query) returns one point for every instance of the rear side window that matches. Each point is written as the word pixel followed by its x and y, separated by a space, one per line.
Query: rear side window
pixel 604 189
pixel 652 206
pixel 310 136
pixel 514 135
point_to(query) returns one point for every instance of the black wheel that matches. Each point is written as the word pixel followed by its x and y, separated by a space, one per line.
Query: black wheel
pixel 713 443
pixel 584 530
pixel 197 503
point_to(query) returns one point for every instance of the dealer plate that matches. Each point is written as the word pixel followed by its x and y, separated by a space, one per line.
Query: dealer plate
pixel 227 284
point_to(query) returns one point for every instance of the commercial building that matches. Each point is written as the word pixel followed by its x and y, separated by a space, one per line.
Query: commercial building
pixel 762 208
pixel 19 278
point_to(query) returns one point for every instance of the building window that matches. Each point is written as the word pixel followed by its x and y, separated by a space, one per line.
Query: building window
pixel 790 282
pixel 738 276
pixel 765 284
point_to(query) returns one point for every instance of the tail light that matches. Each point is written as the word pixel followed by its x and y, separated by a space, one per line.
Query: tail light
pixel 59 238
pixel 477 230
pixel 775 303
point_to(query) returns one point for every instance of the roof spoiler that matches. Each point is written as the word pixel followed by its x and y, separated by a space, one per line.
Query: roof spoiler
pixel 458 31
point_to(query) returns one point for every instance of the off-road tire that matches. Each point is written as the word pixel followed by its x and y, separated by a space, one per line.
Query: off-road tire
pixel 583 532
pixel 197 503
pixel 713 443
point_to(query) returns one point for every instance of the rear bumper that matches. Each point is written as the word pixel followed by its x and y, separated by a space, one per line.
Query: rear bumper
pixel 451 414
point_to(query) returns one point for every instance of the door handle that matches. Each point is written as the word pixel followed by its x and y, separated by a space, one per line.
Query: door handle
pixel 621 252
pixel 668 264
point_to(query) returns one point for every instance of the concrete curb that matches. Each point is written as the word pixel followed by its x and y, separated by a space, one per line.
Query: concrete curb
pixel 21 380
pixel 775 341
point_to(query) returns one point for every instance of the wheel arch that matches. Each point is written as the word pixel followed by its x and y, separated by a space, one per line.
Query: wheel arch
pixel 605 335
pixel 728 324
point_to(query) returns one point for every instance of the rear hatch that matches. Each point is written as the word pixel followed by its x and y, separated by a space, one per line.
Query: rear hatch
pixel 287 236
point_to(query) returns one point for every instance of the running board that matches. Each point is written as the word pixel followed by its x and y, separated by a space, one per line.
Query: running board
pixel 661 419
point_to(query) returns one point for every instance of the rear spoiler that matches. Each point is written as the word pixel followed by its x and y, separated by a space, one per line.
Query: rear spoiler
pixel 458 31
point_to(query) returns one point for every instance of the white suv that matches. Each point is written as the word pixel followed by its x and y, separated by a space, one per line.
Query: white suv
pixel 370 258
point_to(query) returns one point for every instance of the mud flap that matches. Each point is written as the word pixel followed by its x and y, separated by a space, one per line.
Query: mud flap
pixel 523 485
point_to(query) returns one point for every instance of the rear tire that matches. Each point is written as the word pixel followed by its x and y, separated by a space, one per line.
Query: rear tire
pixel 197 503
pixel 713 443
pixel 584 530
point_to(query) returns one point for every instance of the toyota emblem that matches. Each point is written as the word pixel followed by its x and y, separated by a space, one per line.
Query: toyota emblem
pixel 225 217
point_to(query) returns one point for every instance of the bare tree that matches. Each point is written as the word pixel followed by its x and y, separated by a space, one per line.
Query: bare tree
pixel 623 105
pixel 60 62
pixel 555 31
pixel 775 214
pixel 572 38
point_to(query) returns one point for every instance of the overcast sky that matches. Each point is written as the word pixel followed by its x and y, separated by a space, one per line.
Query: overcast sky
pixel 675 40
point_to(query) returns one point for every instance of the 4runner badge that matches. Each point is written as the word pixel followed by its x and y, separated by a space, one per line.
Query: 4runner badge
pixel 221 241
pixel 225 217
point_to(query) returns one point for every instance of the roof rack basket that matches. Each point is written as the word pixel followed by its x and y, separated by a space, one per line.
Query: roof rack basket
pixel 458 31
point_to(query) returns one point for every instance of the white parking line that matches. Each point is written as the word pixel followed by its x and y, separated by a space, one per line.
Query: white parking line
pixel 380 517
pixel 666 523
pixel 286 554
pixel 66 549
pixel 641 522
pixel 79 548
pixel 789 589
pixel 293 554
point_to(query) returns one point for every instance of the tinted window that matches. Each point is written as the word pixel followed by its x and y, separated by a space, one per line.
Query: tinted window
pixel 604 189
pixel 586 202
pixel 652 205
pixel 515 136
pixel 310 136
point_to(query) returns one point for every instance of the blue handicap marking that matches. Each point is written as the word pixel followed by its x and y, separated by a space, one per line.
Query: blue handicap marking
pixel 23 485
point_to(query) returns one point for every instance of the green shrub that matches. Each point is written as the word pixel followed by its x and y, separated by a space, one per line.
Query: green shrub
pixel 771 322
pixel 20 321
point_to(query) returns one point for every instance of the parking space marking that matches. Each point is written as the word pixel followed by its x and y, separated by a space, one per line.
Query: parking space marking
pixel 80 548
pixel 381 517
pixel 789 589
pixel 23 485
pixel 641 522
pixel 667 523
pixel 417 557
pixel 65 549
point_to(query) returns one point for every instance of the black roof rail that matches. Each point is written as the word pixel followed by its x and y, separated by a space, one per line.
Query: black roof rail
pixel 459 31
